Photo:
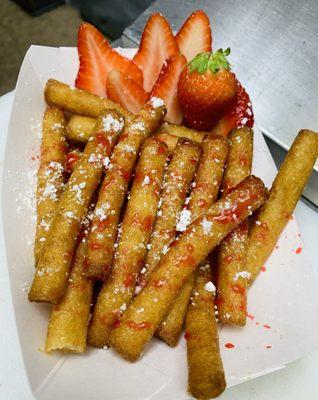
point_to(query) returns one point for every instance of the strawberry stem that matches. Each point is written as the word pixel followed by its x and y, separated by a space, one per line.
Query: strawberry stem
pixel 210 61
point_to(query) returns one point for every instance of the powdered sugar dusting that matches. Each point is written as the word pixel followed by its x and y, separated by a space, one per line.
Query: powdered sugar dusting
pixel 128 148
pixel 113 124
pixel 156 102
pixel 165 249
pixel 78 191
pixel 184 220
pixel 50 191
pixel 54 177
pixel 140 126
pixel 242 274
pixel 56 126
pixel 146 180
pixel 206 226
pixel 209 287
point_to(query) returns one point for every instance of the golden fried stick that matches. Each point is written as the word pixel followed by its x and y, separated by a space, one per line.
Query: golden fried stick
pixel 78 101
pixel 232 277
pixel 182 131
pixel 79 128
pixel 51 176
pixel 113 191
pixel 56 258
pixel 206 378
pixel 67 328
pixel 203 194
pixel 117 292
pixel 180 173
pixel 143 316
pixel 209 175
pixel 239 163
pixel 171 326
pixel 283 196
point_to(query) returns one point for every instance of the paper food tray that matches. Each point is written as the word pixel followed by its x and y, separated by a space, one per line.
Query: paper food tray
pixel 282 303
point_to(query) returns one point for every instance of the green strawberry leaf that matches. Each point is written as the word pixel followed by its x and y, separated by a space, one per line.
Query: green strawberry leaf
pixel 210 61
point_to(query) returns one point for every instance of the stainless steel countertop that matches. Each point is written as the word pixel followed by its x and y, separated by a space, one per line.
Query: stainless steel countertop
pixel 274 52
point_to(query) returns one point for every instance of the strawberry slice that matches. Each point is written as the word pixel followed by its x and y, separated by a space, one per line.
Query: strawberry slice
pixel 123 90
pixel 240 115
pixel 195 35
pixel 166 87
pixel 97 59
pixel 157 44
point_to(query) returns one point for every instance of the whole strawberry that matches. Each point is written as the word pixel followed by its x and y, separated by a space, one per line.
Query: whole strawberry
pixel 206 89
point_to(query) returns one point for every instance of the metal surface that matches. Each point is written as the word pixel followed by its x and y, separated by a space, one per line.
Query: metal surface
pixel 274 52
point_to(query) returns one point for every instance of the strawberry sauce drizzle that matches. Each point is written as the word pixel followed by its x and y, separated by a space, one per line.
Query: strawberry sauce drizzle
pixel 162 150
pixel 238 289
pixel 147 223
pixel 228 215
pixel 71 160
pixel 228 259
pixel 187 335
pixel 129 280
pixel 202 203
pixel 101 139
pixel 159 284
pixel 116 324
pixel 95 246
pixel 250 316
pixel 138 326
pixel 103 224
pixel 189 247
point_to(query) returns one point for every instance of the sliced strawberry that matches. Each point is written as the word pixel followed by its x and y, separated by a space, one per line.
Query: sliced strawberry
pixel 166 87
pixel 195 35
pixel 240 115
pixel 92 50
pixel 157 44
pixel 123 90
pixel 97 58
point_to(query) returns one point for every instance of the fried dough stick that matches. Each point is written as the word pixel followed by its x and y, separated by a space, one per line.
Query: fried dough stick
pixel 117 292
pixel 67 328
pixel 103 234
pixel 51 177
pixel 203 194
pixel 78 101
pixel 56 258
pixel 232 275
pixel 182 131
pixel 180 173
pixel 79 128
pixel 206 378
pixel 143 316
pixel 283 197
